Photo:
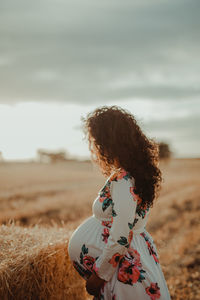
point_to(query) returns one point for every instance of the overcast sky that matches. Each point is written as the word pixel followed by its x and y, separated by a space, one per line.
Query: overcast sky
pixel 90 52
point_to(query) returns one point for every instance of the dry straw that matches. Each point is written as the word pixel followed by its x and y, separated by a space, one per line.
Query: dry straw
pixel 34 264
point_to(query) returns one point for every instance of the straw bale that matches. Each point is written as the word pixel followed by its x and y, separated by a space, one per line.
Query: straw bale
pixel 34 264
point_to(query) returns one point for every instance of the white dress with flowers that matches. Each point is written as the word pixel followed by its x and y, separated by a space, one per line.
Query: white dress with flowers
pixel 114 243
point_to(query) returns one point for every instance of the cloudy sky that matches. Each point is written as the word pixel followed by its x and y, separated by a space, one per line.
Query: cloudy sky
pixel 59 59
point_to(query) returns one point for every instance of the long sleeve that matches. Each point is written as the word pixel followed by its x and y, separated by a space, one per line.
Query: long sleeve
pixel 124 205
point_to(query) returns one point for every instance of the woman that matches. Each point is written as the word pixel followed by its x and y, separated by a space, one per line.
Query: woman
pixel 112 249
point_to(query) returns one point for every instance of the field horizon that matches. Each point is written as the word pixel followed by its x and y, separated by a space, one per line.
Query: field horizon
pixel 61 195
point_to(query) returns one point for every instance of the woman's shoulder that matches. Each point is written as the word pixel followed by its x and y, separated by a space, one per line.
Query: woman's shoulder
pixel 120 175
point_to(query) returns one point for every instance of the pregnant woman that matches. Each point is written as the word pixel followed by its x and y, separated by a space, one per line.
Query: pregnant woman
pixel 112 250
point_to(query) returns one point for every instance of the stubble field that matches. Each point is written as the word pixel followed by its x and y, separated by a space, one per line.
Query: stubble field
pixel 58 197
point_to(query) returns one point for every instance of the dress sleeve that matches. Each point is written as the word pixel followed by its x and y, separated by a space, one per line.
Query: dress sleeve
pixel 124 203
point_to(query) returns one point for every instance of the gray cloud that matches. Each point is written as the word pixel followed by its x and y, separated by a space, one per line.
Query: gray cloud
pixel 182 134
pixel 81 51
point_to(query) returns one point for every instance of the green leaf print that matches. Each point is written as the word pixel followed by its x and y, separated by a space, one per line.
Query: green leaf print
pixel 141 212
pixel 114 214
pixel 131 225
pixel 106 203
pixel 115 179
pixel 84 249
pixel 81 257
pixel 141 276
pixel 127 176
pixel 123 241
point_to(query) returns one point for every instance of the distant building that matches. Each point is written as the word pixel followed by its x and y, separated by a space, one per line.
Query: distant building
pixel 51 157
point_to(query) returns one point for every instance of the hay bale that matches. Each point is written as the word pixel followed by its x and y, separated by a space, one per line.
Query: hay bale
pixel 34 264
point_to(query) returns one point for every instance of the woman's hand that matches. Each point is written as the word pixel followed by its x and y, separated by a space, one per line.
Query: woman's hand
pixel 94 284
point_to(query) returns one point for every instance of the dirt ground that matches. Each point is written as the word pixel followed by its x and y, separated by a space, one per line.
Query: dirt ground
pixel 62 193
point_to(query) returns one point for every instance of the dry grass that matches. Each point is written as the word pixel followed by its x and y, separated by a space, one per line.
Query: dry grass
pixel 34 260
pixel 35 265
pixel 34 192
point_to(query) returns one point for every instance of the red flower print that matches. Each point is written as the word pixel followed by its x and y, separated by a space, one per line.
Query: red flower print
pixel 106 223
pixel 128 272
pixel 132 192
pixel 153 291
pixel 88 262
pixel 150 247
pixel 144 206
pixel 101 199
pixel 121 174
pixel 115 259
pixel 130 236
pixel 135 274
pixel 136 255
pixel 123 276
pixel 148 244
pixel 126 264
pixel 113 177
pixel 105 234
pixel 107 190
pixel 155 257
pixel 104 194
pixel 135 196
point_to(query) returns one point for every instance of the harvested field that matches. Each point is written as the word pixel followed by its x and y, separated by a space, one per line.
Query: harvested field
pixel 59 197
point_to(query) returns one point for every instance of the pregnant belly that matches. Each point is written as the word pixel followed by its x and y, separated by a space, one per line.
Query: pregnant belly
pixel 87 239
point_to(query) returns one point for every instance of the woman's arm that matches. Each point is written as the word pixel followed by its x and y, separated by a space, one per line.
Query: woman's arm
pixel 120 235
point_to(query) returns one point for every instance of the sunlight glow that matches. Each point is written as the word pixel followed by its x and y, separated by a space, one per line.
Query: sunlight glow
pixel 28 126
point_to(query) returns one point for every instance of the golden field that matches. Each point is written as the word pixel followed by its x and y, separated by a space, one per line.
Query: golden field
pixel 41 204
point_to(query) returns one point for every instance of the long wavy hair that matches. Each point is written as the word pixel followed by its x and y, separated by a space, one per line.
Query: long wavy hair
pixel 114 136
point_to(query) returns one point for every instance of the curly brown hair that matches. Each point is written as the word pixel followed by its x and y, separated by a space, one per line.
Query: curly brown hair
pixel 114 136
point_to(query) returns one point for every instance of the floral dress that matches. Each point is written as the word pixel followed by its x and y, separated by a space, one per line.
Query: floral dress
pixel 114 243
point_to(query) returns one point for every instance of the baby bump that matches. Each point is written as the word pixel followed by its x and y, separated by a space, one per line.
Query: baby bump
pixel 86 239
pixel 85 245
